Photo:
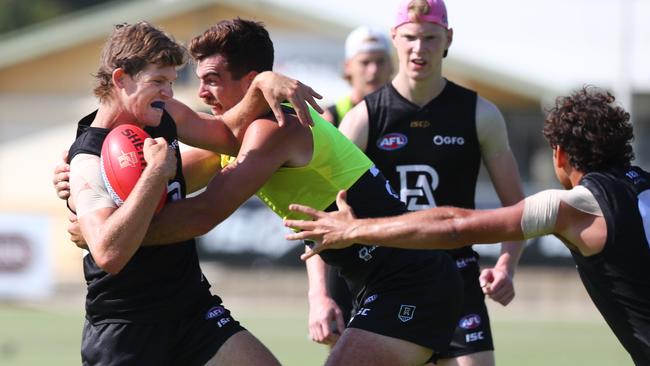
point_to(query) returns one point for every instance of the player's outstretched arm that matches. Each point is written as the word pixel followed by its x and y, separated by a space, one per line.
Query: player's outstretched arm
pixel 441 227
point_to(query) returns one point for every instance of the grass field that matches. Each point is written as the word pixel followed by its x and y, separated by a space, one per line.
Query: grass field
pixel 551 321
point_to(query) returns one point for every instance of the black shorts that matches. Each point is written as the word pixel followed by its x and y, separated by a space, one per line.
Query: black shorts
pixel 419 303
pixel 473 333
pixel 182 341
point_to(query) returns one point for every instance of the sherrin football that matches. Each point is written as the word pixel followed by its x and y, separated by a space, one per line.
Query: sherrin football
pixel 122 162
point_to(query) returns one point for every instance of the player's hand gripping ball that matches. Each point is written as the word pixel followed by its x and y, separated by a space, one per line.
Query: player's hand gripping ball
pixel 122 162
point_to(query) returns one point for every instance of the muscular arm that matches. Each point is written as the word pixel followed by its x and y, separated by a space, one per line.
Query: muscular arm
pixel 439 227
pixel 444 227
pixel 502 168
pixel 224 133
pixel 265 148
pixel 115 234
pixel 202 130
pixel 355 125
pixel 572 215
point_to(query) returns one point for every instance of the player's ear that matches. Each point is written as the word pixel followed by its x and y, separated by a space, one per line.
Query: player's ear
pixel 561 157
pixel 393 34
pixel 450 38
pixel 346 70
pixel 248 79
pixel 117 76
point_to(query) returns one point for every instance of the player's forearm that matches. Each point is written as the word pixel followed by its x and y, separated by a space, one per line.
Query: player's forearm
pixel 252 106
pixel 180 221
pixel 191 217
pixel 317 277
pixel 513 249
pixel 202 130
pixel 438 228
pixel 114 241
pixel 408 231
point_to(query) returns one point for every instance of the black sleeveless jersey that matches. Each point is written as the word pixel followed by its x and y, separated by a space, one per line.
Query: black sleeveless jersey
pixel 618 278
pixel 430 154
pixel 159 282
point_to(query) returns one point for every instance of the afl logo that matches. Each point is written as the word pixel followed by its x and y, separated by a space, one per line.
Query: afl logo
pixel 214 312
pixel 471 321
pixel 392 141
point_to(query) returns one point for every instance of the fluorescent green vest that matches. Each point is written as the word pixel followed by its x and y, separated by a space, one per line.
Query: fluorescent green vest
pixel 336 164
pixel 343 106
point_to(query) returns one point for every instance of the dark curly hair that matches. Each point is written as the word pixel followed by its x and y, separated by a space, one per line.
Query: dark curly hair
pixel 245 44
pixel 595 133
pixel 133 47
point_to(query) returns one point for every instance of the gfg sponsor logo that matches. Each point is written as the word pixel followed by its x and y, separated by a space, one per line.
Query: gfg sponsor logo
pixel 392 141
pixel 448 140
pixel 471 321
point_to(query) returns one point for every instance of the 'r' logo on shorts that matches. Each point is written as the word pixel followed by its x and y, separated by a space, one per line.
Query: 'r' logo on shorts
pixel 406 313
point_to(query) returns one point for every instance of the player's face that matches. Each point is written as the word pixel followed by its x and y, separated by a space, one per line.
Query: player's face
pixel 420 49
pixel 368 71
pixel 217 87
pixel 143 96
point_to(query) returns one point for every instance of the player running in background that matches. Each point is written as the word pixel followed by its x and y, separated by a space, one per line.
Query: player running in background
pixel 367 67
pixel 603 216
pixel 428 135
pixel 151 305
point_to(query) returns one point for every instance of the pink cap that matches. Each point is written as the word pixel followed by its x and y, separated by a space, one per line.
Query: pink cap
pixel 437 13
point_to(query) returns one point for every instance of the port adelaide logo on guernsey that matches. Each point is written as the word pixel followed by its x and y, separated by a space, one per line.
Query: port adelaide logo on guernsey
pixel 392 141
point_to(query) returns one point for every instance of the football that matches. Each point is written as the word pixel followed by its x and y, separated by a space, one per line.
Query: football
pixel 122 162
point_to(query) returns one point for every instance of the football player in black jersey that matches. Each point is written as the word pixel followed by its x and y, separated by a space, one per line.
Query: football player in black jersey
pixel 428 136
pixel 603 216
pixel 141 300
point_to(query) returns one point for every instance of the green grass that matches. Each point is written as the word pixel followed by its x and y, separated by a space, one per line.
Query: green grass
pixel 38 337
pixel 535 343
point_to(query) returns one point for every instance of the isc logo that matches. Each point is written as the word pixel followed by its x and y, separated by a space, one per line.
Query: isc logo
pixel 392 141
pixel 473 337
pixel 420 124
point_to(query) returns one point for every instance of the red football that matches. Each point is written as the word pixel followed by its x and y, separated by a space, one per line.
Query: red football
pixel 122 162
